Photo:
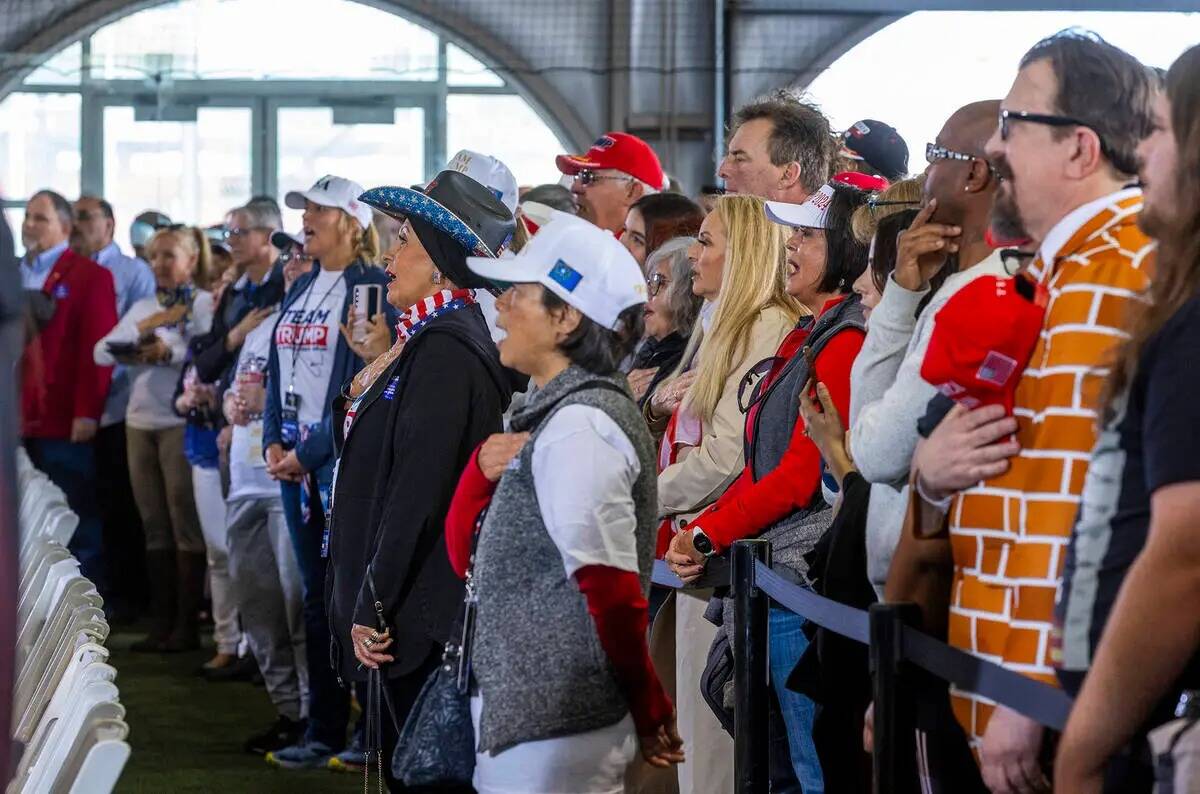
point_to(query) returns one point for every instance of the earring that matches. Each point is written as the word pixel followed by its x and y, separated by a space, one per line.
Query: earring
pixel 437 277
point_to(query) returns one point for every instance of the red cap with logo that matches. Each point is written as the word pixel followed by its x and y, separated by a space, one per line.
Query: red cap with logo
pixel 622 152
pixel 867 182
pixel 982 340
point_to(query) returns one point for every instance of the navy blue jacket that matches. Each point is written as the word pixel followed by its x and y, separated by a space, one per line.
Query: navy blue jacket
pixel 316 451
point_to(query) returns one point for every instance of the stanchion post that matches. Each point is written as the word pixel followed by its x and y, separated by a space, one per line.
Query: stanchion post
pixel 894 761
pixel 751 666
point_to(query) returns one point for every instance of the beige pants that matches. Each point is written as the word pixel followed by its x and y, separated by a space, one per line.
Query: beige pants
pixel 679 644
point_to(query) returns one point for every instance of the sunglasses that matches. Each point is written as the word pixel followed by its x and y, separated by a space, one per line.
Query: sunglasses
pixel 587 177
pixel 295 256
pixel 933 153
pixel 655 283
pixel 1009 116
pixel 239 231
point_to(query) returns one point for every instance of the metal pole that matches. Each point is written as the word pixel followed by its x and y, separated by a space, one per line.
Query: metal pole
pixel 751 665
pixel 894 759
pixel 719 83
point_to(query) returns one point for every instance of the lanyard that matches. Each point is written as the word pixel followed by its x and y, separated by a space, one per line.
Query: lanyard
pixel 304 311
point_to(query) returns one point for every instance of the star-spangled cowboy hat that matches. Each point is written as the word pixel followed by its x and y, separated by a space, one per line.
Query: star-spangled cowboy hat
pixel 455 204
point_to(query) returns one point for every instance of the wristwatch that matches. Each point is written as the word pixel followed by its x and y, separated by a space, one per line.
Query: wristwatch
pixel 702 543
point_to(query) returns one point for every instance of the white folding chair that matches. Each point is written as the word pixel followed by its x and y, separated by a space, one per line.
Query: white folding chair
pixel 105 755
pixel 96 701
pixel 39 588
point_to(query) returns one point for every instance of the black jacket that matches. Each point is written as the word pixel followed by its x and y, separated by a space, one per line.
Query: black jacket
pixel 212 361
pixel 413 433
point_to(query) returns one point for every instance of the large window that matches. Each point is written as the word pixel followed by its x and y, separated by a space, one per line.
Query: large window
pixel 193 106
pixel 917 71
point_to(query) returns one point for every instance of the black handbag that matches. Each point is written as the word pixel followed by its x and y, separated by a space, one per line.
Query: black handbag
pixel 437 745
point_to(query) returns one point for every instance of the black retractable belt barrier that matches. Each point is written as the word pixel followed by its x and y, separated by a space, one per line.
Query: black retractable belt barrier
pixel 751 668
pixel 894 758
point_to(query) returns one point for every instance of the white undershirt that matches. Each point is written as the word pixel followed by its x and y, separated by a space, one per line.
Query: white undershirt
pixel 584 468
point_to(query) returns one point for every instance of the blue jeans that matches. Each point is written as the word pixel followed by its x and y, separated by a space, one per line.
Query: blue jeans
pixel 787 643
pixel 328 702
pixel 72 467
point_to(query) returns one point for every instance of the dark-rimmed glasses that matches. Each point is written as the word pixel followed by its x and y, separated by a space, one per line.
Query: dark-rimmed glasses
pixel 1009 116
pixel 655 283
pixel 587 177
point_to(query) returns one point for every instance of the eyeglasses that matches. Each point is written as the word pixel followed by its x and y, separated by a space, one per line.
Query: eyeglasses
pixel 1009 116
pixel 654 284
pixel 240 231
pixel 587 177
pixel 295 256
pixel 933 153
pixel 873 203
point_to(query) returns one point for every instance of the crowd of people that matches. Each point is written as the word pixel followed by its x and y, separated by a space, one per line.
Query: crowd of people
pixel 424 451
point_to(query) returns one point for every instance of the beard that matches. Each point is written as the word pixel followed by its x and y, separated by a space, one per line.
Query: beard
pixel 1154 223
pixel 1006 221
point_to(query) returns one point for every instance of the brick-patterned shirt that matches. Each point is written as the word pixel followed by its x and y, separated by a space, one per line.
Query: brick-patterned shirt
pixel 1009 534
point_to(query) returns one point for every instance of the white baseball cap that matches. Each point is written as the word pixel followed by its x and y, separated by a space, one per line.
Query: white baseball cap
pixel 489 172
pixel 333 191
pixel 579 262
pixel 811 214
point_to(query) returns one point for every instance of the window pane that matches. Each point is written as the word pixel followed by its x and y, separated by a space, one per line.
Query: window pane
pixel 311 146
pixel 463 69
pixel 14 215
pixel 255 39
pixel 507 128
pixel 60 69
pixel 195 171
pixel 39 144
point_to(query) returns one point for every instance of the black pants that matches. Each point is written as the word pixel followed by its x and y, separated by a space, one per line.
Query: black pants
pixel 401 693
pixel 124 542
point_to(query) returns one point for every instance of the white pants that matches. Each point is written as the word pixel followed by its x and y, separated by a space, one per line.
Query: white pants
pixel 210 507
pixel 707 747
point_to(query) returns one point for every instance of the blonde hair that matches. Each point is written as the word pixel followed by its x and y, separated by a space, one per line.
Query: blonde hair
pixel 194 241
pixel 363 242
pixel 754 278
pixel 907 196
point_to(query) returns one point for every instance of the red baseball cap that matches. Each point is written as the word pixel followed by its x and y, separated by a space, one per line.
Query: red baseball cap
pixel 622 152
pixel 982 340
pixel 867 182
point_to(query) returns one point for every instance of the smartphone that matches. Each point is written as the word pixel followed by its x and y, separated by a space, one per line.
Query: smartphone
pixel 368 301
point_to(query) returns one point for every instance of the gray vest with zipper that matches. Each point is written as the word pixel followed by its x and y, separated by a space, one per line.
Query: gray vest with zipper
pixel 779 409
pixel 538 661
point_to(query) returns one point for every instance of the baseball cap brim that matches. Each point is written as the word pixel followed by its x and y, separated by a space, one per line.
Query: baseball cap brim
pixel 295 199
pixel 281 239
pixel 508 270
pixel 403 202
pixel 572 164
pixel 805 214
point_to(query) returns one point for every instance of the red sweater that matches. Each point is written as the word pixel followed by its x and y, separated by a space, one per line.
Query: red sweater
pixel 614 599
pixel 748 507
pixel 60 380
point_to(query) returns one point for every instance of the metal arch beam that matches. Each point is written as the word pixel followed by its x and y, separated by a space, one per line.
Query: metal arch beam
pixel 550 105
pixel 837 49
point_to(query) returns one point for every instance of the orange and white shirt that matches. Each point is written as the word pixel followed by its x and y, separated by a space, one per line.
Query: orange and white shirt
pixel 1010 534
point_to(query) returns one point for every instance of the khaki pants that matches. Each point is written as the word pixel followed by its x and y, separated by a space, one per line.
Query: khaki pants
pixel 162 488
pixel 679 644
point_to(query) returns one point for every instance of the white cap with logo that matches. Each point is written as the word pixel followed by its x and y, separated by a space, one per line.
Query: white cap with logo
pixel 811 214
pixel 489 172
pixel 579 262
pixel 333 191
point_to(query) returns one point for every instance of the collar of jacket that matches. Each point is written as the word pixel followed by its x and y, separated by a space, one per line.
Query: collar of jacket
pixel 542 401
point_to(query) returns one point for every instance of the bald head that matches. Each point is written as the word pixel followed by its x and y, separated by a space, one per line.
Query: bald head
pixel 970 127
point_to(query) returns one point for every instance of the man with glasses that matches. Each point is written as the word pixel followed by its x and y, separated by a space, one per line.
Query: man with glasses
pixel 1064 149
pixel 617 171
pixel 92 237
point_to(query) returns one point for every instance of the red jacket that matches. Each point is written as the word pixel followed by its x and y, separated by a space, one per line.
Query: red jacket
pixel 748 507
pixel 60 380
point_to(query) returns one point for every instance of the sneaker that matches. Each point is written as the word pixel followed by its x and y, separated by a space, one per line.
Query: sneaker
pixel 302 755
pixel 282 733
pixel 349 760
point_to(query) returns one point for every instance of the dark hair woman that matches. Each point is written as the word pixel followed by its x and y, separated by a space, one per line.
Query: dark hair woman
pixel 654 219
pixel 779 493
pixel 565 683
pixel 407 425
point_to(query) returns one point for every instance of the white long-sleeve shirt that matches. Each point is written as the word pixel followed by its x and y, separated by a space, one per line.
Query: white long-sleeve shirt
pixel 152 387
pixel 887 397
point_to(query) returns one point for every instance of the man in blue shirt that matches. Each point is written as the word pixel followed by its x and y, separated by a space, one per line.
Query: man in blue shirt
pixel 92 237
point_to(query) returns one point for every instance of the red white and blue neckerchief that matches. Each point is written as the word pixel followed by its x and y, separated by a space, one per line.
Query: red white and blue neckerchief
pixel 420 314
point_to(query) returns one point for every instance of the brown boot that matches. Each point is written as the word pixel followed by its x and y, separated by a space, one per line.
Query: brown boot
pixel 186 634
pixel 163 601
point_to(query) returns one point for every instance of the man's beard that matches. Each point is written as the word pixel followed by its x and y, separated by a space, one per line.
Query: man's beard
pixel 1006 219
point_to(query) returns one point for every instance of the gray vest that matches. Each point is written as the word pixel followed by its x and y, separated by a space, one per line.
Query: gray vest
pixel 537 658
pixel 778 410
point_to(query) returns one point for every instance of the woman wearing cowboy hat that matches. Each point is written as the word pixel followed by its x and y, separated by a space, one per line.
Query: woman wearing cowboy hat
pixel 407 425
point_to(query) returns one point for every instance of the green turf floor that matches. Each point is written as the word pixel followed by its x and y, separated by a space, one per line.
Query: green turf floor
pixel 187 734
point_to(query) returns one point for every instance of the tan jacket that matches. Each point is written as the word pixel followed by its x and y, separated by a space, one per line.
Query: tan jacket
pixel 689 486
